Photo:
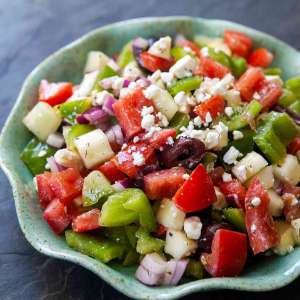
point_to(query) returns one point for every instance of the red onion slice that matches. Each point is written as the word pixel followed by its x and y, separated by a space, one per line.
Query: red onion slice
pixel 180 268
pixel 121 185
pixel 108 105
pixel 54 166
pixel 154 263
pixel 96 115
pixel 118 134
pixel 126 83
pixel 170 271
pixel 147 277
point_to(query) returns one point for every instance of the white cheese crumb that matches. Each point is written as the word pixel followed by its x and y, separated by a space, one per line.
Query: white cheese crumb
pixel 208 118
pixel 192 227
pixel 132 71
pixel 231 156
pixel 256 96
pixel 185 176
pixel 255 201
pixel 205 51
pixel 136 139
pixel 198 121
pixel 170 140
pixel 237 135
pixel 151 91
pixel 253 228
pixel 147 122
pixel 241 173
pixel 167 78
pixel 99 98
pixel 184 67
pixel 181 98
pixel 229 111
pixel 163 120
pixel 226 177
pixel 147 110
pixel 161 48
pixel 212 139
pixel 138 158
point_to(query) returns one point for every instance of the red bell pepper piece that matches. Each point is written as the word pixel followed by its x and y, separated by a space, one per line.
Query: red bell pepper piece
pixel 164 183
pixel 45 193
pixel 260 57
pixel 111 172
pixel 184 43
pixel 210 68
pixel 228 255
pixel 269 93
pixel 128 112
pixel 55 93
pixel 238 42
pixel 56 216
pixel 159 138
pixel 197 192
pixel 259 223
pixel 249 82
pixel 87 221
pixel 215 106
pixel 294 146
pixel 154 63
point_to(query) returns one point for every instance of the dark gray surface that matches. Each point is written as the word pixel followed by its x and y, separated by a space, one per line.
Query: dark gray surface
pixel 32 29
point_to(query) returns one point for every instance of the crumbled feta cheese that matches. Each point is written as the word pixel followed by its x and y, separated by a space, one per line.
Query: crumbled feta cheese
pixel 197 121
pixel 68 159
pixel 99 98
pixel 136 139
pixel 161 48
pixel 229 111
pixel 147 110
pixel 170 140
pixel 237 135
pixel 147 122
pixel 226 177
pixel 212 139
pixel 222 130
pixel 151 91
pixel 167 78
pixel 208 118
pixel 221 86
pixel 231 156
pixel 132 71
pixel 138 158
pixel 185 176
pixel 205 51
pixel 241 173
pixel 255 201
pixel 117 84
pixel 163 121
pixel 192 227
pixel 221 202
pixel 274 79
pixel 181 98
pixel 256 96
pixel 253 228
pixel 186 109
pixel 184 67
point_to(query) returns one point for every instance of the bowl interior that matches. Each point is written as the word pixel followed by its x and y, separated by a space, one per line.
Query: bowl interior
pixel 67 65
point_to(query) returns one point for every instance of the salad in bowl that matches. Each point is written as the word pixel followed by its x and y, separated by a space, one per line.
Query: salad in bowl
pixel 177 156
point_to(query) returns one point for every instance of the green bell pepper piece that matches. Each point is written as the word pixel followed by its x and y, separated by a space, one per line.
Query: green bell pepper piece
pixel 179 52
pixel 293 84
pixel 35 155
pixel 220 56
pixel 96 188
pixel 240 121
pixel 185 85
pixel 148 244
pixel 131 258
pixel 130 231
pixel 216 215
pixel 105 73
pixel 287 98
pixel 246 143
pixel 126 55
pixel 75 131
pixel 273 71
pixel 69 110
pixel 179 120
pixel 238 66
pixel 236 217
pixel 295 107
pixel 98 248
pixel 209 159
pixel 194 269
pixel 118 235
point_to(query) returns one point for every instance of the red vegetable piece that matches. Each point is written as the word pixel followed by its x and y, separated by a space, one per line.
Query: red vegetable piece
pixel 111 172
pixel 159 138
pixel 128 112
pixel 191 45
pixel 45 193
pixel 291 207
pixel 197 192
pixel 87 221
pixel 249 82
pixel 210 68
pixel 160 230
pixel 238 42
pixel 260 57
pixel 269 94
pixel 154 63
pixel 294 146
pixel 56 216
pixel 215 106
pixel 164 183
pixel 55 93
pixel 228 255
pixel 259 223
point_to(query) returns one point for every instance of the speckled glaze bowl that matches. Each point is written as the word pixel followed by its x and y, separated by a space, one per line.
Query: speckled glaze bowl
pixel 67 65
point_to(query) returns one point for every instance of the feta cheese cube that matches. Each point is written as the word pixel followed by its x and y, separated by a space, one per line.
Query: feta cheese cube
pixel 184 67
pixel 192 227
pixel 231 156
pixel 161 48
pixel 132 71
pixel 68 159
pixel 229 111
pixel 237 135
pixel 138 158
pixel 100 98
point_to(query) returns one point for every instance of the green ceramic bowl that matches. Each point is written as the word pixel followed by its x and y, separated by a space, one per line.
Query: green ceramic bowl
pixel 67 64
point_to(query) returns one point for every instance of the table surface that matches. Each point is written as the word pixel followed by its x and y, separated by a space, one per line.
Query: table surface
pixel 30 30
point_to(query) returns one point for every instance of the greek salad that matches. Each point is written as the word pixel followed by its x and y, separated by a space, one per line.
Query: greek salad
pixel 177 156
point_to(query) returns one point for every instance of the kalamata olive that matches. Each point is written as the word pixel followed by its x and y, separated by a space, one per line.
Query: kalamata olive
pixel 216 174
pixel 139 179
pixel 185 152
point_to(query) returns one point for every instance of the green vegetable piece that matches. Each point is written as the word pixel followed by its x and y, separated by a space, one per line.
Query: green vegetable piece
pixel 240 121
pixel 130 231
pixel 126 55
pixel 194 269
pixel 287 98
pixel 216 215
pixel 179 120
pixel 69 110
pixel 295 107
pixel 100 249
pixel 273 71
pixel 209 159
pixel 220 56
pixel 117 234
pixel 35 155
pixel 246 143
pixel 148 244
pixel 179 52
pixel 75 131
pixel 293 84
pixel 185 85
pixel 96 187
pixel 236 217
pixel 105 73
pixel 131 258
pixel 238 66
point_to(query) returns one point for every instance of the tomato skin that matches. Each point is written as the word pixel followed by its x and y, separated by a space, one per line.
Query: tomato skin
pixel 229 254
pixel 215 106
pixel 234 189
pixel 87 221
pixel 159 138
pixel 249 82
pixel 45 193
pixel 197 192
pixel 55 93
pixel 189 44
pixel 56 216
pixel 210 68
pixel 260 57
pixel 238 42
pixel 111 172
pixel 153 63
pixel 128 112
pixel 294 146
pixel 269 93
pixel 259 223
pixel 164 183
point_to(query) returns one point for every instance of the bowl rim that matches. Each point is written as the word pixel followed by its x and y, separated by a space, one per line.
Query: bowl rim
pixel 238 283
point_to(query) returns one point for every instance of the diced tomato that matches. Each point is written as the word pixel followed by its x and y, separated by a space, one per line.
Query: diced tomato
pixel 287 188
pixel 228 255
pixel 189 44
pixel 260 57
pixel 259 223
pixel 238 42
pixel 56 216
pixel 160 230
pixel 291 207
pixel 75 208
pixel 294 146
pixel 45 193
pixel 55 93
pixel 125 162
pixel 234 190
pixel 66 185
pixel 210 68
pixel 128 112
pixel 110 170
pixel 197 192
pixel 269 93
pixel 154 63
pixel 87 221
pixel 216 174
pixel 159 138
pixel 215 106
pixel 249 82
pixel 164 183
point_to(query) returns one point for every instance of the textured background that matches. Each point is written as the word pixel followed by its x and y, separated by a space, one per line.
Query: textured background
pixel 32 29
